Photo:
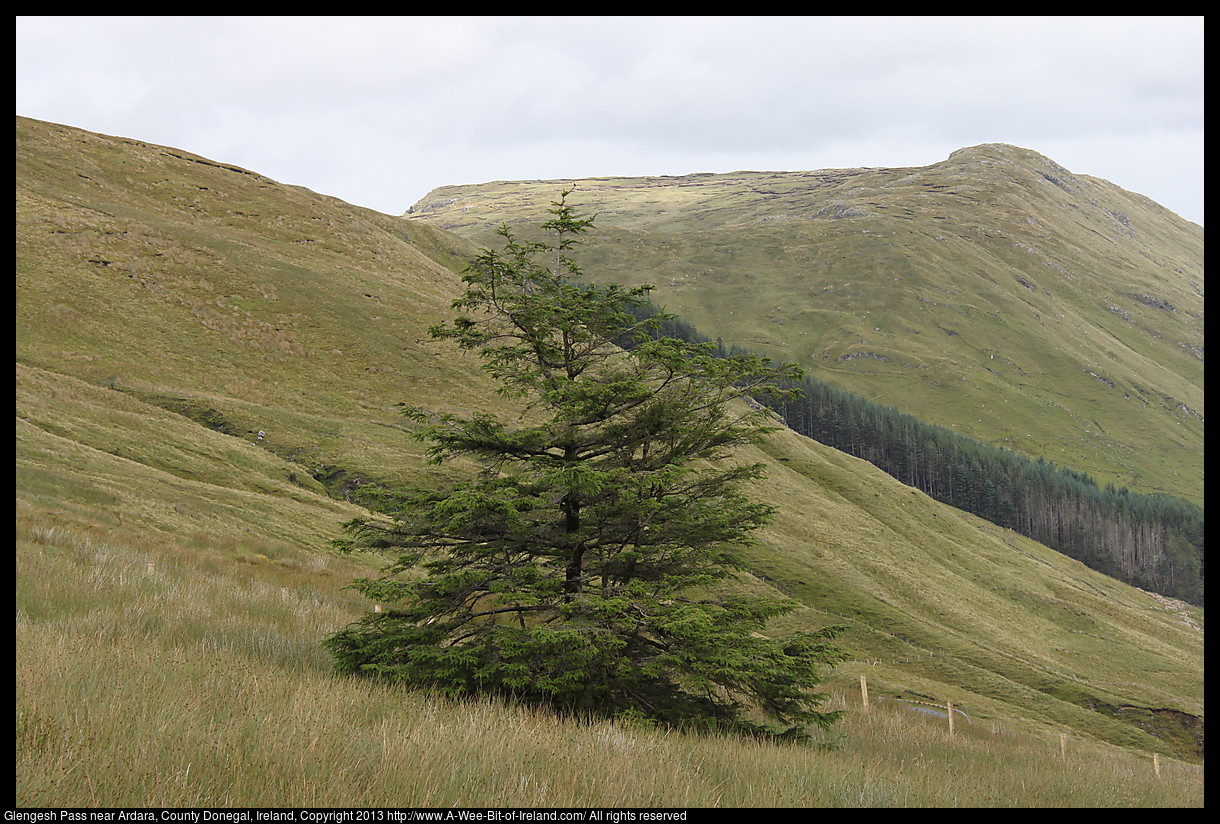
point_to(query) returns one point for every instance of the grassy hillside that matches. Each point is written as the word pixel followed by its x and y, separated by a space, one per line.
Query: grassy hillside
pixel 995 292
pixel 171 308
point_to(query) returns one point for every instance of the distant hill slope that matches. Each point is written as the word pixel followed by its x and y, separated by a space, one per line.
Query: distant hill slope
pixel 995 292
pixel 206 355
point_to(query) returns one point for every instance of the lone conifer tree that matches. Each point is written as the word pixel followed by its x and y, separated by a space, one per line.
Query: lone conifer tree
pixel 579 567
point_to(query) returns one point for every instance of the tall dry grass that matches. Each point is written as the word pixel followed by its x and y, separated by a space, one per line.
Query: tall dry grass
pixel 202 684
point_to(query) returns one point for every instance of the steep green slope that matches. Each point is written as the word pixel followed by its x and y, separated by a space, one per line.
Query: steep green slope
pixel 211 290
pixel 995 292
pixel 208 358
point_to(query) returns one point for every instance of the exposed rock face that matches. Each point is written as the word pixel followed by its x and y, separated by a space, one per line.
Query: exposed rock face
pixel 1155 302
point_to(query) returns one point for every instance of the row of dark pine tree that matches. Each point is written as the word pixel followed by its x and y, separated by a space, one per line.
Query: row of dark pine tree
pixel 1151 541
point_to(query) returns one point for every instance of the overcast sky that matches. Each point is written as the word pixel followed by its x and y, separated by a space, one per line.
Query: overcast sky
pixel 379 111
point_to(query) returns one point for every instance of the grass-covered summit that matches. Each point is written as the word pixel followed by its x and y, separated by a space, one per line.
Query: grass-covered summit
pixel 995 292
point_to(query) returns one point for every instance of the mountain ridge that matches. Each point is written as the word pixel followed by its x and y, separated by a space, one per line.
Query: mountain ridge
pixel 1062 311
pixel 984 154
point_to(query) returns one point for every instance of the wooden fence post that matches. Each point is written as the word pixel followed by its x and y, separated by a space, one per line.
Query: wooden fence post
pixel 1063 746
pixel 950 707
pixel 152 568
pixel 864 691
pixel 1156 764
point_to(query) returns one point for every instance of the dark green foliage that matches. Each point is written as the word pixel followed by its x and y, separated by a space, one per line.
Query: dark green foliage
pixel 579 568
pixel 1152 541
